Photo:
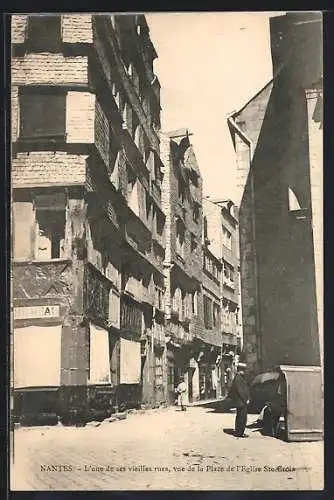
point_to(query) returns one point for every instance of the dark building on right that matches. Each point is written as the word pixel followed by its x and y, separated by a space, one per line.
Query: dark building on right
pixel 277 137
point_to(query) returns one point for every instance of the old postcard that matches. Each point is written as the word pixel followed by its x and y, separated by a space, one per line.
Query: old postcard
pixel 167 242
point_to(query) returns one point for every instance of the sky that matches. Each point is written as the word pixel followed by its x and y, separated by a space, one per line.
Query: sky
pixel 209 65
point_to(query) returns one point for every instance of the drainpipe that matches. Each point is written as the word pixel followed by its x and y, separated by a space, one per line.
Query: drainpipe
pixel 248 141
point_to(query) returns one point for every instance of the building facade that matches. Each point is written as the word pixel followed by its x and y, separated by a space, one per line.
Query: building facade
pixel 182 203
pixel 221 264
pixel 88 224
pixel 277 136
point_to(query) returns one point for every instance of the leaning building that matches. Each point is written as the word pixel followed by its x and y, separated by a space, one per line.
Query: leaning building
pixel 87 219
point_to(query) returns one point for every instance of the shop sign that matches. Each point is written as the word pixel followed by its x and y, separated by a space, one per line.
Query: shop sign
pixel 36 312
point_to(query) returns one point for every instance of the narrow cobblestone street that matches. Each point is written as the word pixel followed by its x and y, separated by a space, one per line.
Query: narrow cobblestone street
pixel 160 450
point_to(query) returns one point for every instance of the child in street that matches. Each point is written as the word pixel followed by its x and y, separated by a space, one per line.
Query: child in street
pixel 181 391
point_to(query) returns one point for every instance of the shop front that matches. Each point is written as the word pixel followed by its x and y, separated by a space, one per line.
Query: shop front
pixel 129 390
pixel 43 352
pixel 179 368
pixel 207 354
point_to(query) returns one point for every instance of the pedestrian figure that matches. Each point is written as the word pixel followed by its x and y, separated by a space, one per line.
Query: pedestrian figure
pixel 239 394
pixel 181 391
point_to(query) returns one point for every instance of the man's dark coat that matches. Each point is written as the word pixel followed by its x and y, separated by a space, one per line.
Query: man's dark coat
pixel 239 391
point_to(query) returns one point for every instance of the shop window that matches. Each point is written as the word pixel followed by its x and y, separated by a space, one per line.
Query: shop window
pixel 44 33
pixel 42 113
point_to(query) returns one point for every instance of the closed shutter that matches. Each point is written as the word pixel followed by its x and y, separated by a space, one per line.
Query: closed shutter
pixel 37 356
pixel 24 230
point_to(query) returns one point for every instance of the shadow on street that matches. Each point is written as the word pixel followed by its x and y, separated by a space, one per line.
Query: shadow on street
pixel 229 431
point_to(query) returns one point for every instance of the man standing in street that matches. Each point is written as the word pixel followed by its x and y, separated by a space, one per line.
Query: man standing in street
pixel 239 394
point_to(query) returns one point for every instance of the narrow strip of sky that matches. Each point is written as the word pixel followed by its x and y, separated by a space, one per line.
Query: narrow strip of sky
pixel 209 65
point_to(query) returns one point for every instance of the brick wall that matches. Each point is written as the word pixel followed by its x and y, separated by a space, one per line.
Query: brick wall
pixel 18 27
pixel 45 167
pixel 46 68
pixel 14 96
pixel 80 112
pixel 77 28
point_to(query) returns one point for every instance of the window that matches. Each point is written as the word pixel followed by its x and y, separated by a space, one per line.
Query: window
pixel 99 358
pixel 160 223
pixel 39 227
pixel 181 191
pixel 193 242
pixel 133 74
pixel 113 150
pixel 229 275
pixel 177 300
pixel 183 306
pixel 114 308
pixel 195 303
pixel 207 303
pixel 132 191
pixel 196 212
pixel 227 238
pixel 44 33
pixel 42 113
pixel 180 233
pixel 216 310
pixel 50 234
pixel 158 298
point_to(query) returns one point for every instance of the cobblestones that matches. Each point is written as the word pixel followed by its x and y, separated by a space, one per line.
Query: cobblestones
pixel 161 450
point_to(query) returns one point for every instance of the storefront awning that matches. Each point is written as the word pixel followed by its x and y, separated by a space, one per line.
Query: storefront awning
pixel 210 337
pixel 229 339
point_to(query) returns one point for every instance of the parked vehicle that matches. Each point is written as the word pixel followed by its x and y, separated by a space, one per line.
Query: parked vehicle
pixel 289 399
